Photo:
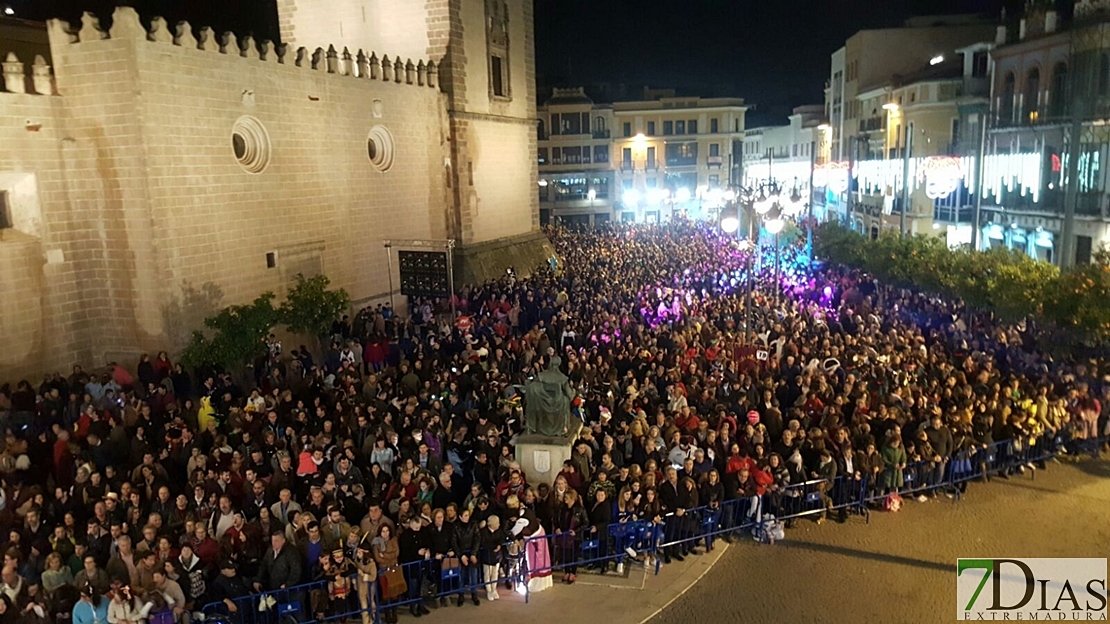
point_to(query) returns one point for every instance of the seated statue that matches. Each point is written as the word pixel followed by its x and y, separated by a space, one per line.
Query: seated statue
pixel 547 402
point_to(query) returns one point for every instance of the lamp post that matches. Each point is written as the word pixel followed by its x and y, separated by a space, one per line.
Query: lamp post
pixel 774 226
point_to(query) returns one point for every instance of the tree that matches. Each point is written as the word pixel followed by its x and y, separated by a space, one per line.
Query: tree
pixel 1007 283
pixel 236 337
pixel 310 308
pixel 1077 301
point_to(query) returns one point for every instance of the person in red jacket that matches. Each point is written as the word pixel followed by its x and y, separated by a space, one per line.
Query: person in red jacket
pixel 687 420
pixel 204 547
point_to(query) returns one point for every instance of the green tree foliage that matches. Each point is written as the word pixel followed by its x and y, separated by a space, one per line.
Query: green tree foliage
pixel 236 335
pixel 1078 300
pixel 1007 283
pixel 310 308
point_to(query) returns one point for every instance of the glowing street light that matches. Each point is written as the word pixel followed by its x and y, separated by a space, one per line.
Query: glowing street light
pixel 591 195
pixel 774 226
pixel 730 219
pixel 890 107
pixel 631 197
pixel 683 194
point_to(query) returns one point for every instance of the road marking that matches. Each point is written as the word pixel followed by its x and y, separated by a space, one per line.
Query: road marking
pixel 723 546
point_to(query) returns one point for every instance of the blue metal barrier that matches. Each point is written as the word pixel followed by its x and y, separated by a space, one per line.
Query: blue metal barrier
pixel 629 541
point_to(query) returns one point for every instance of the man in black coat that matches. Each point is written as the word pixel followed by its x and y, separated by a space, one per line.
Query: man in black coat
pixel 675 500
pixel 228 587
pixel 280 567
pixel 940 438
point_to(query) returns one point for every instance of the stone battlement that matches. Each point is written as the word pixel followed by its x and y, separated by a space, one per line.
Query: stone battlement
pixel 17 79
pixel 126 25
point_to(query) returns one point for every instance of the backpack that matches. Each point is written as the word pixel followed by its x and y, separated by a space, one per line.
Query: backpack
pixel 769 531
pixel 892 502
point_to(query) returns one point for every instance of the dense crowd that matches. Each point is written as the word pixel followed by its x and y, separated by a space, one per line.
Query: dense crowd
pixel 135 493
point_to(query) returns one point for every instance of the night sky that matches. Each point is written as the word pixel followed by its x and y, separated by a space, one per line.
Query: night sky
pixel 773 53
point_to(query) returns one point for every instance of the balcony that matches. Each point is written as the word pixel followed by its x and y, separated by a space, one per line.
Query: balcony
pixel 716 161
pixel 682 162
pixel 601 134
pixel 976 87
pixel 872 124
pixel 651 165
pixel 570 160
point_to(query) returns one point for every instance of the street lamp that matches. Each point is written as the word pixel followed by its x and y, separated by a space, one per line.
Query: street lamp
pixel 730 218
pixel 774 226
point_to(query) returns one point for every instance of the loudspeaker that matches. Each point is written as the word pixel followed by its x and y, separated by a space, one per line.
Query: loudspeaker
pixel 423 273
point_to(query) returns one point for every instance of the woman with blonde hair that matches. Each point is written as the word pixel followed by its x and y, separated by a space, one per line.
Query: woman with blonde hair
pixel 568 520
pixel 55 575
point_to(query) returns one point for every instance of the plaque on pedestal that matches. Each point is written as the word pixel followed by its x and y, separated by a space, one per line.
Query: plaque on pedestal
pixel 541 457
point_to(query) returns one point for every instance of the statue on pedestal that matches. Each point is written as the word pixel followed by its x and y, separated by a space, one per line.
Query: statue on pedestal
pixel 547 402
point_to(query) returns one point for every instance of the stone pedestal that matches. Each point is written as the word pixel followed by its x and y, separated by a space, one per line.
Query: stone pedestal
pixel 541 457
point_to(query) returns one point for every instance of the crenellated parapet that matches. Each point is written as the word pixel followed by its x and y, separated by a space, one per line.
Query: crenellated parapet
pixel 358 64
pixel 19 78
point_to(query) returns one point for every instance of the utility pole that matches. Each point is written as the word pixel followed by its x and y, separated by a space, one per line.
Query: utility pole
pixel 809 215
pixel 852 143
pixel 1071 195
pixel 980 178
pixel 905 180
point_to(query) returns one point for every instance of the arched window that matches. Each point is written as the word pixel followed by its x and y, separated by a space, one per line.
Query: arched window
pixel 1058 98
pixel 599 125
pixel 1031 99
pixel 540 131
pixel 1006 100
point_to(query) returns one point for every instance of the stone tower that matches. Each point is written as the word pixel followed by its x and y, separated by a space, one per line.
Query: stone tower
pixel 486 57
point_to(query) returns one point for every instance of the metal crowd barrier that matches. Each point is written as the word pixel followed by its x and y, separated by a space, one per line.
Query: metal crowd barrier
pixel 302 603
pixel 641 541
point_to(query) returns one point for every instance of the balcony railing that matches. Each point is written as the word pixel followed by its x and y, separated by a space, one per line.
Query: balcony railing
pixel 682 162
pixel 570 160
pixel 715 161
pixel 601 134
pixel 872 124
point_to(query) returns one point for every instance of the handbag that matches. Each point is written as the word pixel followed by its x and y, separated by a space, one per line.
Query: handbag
pixel 429 589
pixel 393 583
pixel 450 563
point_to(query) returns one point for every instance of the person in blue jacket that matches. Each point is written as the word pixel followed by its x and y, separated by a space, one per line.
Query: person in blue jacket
pixel 92 608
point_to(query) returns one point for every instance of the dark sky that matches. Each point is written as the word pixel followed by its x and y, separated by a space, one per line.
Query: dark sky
pixel 774 53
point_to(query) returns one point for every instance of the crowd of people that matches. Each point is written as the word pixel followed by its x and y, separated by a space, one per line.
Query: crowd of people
pixel 135 494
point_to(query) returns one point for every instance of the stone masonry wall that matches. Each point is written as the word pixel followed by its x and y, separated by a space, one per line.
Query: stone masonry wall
pixel 41 319
pixel 148 221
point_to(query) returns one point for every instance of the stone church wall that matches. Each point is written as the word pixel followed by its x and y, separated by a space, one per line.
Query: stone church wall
pixel 148 220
